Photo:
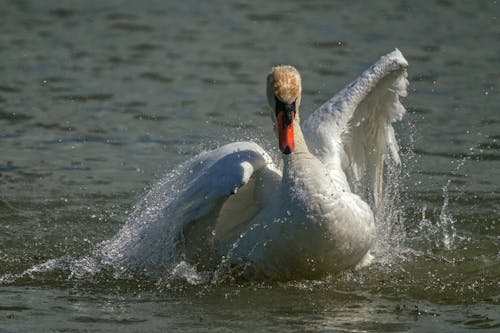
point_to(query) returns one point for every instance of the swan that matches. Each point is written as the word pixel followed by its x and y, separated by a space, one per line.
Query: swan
pixel 311 217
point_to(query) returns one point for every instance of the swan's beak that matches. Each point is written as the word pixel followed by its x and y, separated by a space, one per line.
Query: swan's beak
pixel 285 115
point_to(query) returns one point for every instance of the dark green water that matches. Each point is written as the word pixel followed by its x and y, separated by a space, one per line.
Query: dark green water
pixel 98 100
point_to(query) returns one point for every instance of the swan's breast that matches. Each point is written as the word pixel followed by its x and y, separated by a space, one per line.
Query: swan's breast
pixel 338 222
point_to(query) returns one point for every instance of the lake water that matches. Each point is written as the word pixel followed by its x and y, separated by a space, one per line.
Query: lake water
pixel 100 99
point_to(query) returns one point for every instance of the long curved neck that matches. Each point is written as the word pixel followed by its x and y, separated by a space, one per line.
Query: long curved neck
pixel 300 142
pixel 297 159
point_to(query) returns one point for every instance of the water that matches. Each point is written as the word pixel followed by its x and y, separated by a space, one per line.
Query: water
pixel 98 100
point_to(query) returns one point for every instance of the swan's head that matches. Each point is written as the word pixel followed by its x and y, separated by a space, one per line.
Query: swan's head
pixel 283 94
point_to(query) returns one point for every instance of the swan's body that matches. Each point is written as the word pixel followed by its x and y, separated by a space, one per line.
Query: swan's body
pixel 314 217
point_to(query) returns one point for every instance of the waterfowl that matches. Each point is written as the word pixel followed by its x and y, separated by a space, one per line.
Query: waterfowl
pixel 312 216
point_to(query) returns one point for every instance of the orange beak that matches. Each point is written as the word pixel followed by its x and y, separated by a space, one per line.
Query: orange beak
pixel 285 133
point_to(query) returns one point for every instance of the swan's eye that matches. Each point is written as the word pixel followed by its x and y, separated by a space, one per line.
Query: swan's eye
pixel 287 109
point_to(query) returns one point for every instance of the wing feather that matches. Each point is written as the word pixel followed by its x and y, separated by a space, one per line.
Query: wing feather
pixel 177 218
pixel 353 130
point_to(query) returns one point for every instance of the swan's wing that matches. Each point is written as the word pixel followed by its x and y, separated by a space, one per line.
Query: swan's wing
pixel 225 188
pixel 178 217
pixel 353 130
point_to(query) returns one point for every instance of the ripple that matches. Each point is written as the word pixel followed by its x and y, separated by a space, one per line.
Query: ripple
pixel 132 104
pixel 9 89
pixel 85 98
pixel 330 72
pixel 454 63
pixel 490 121
pixel 209 80
pixel 419 110
pixel 120 16
pixel 425 77
pixel 89 319
pixel 52 126
pixel 9 166
pixel 449 155
pixel 144 47
pixel 481 321
pixel 15 308
pixel 489 145
pixel 155 77
pixel 441 174
pixel 85 139
pixel 431 48
pixel 327 45
pixel 243 45
pixel 418 58
pixel 152 117
pixel 231 65
pixel 269 17
pixel 13 116
pixel 63 12
pixel 131 27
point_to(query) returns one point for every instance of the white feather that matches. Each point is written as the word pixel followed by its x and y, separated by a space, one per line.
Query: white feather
pixel 353 130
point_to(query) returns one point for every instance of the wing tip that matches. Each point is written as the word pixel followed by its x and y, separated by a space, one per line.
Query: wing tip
pixel 397 57
pixel 396 61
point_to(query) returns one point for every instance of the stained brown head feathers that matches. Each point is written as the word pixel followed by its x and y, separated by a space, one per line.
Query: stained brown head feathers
pixel 286 83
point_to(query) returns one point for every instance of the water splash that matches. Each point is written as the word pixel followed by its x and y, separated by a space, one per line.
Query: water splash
pixel 437 230
pixel 442 233
pixel 146 243
pixel 446 222
pixel 77 268
pixel 149 245
pixel 390 218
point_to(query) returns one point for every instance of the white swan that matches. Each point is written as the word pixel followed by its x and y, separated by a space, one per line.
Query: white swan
pixel 312 218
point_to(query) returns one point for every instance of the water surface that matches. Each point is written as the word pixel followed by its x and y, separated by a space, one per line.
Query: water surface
pixel 98 100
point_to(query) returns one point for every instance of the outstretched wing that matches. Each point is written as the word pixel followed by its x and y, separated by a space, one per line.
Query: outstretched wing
pixel 202 200
pixel 353 130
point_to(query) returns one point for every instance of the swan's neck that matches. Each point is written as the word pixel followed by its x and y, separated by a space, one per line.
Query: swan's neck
pixel 299 159
pixel 300 142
